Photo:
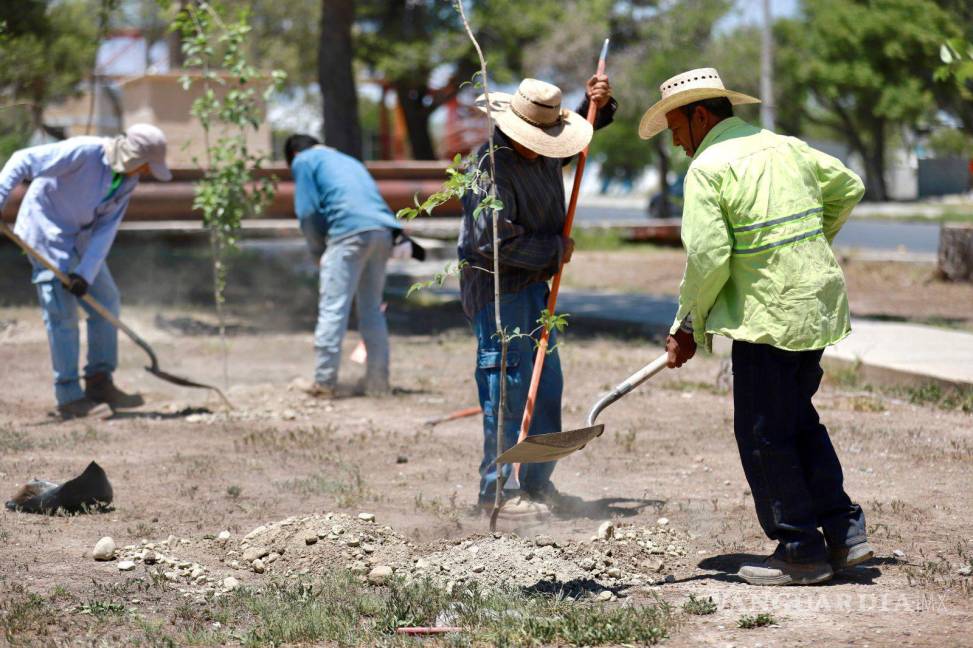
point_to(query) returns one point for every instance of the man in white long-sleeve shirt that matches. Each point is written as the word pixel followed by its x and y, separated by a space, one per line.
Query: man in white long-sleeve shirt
pixel 79 191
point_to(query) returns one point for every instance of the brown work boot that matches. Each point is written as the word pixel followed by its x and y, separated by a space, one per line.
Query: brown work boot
pixel 100 388
pixel 81 408
pixel 519 508
pixel 320 390
pixel 774 571
pixel 845 557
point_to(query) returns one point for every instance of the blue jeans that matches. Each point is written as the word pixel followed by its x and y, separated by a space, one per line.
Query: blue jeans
pixel 517 310
pixel 790 464
pixel 353 267
pixel 60 310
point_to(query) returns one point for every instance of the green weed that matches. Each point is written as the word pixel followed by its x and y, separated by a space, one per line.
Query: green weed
pixel 749 622
pixel 698 606
pixel 100 608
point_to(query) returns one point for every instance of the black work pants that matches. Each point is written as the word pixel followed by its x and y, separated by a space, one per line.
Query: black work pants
pixel 790 464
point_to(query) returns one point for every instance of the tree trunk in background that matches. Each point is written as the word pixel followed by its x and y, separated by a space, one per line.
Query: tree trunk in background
pixel 416 121
pixel 874 158
pixel 336 77
pixel 956 252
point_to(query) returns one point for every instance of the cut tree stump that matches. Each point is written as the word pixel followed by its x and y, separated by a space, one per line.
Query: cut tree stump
pixel 956 252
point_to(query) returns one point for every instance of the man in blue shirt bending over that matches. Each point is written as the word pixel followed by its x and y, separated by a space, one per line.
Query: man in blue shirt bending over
pixel 79 191
pixel 347 223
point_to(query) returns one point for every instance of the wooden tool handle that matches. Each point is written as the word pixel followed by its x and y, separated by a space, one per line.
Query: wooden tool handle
pixel 543 342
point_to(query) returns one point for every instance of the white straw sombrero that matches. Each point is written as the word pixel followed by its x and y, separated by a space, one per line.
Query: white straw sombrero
pixel 533 117
pixel 683 89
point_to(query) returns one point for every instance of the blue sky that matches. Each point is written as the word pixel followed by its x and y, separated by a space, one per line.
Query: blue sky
pixel 751 12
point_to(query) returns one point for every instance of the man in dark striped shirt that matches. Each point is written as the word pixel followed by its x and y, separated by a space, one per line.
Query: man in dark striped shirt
pixel 534 140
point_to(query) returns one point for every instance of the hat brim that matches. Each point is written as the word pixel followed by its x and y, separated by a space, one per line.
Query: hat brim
pixel 160 171
pixel 564 140
pixel 654 120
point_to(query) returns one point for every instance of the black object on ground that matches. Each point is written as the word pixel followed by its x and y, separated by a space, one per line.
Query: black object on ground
pixel 89 491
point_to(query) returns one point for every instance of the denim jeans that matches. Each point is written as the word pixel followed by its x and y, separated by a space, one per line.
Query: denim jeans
pixel 353 267
pixel 517 310
pixel 60 310
pixel 790 464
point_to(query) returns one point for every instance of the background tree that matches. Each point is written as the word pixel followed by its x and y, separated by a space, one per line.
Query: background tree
pixel 406 41
pixel 862 70
pixel 336 77
pixel 655 43
pixel 46 50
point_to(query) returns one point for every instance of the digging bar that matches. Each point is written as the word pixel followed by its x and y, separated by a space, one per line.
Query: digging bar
pixel 549 447
pixel 153 367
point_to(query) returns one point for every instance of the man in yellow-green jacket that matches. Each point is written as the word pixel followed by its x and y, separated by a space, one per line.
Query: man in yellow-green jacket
pixel 760 213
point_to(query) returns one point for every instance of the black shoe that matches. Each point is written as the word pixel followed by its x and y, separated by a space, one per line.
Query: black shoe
pixel 845 557
pixel 81 408
pixel 100 388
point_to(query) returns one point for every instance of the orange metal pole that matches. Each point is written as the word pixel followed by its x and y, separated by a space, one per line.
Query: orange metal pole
pixel 542 344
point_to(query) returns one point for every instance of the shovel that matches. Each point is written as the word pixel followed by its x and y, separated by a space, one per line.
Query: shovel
pixel 153 367
pixel 556 445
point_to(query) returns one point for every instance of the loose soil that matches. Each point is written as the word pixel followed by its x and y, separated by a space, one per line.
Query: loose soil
pixel 283 468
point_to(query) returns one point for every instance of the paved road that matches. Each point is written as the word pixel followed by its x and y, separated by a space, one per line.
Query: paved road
pixel 915 238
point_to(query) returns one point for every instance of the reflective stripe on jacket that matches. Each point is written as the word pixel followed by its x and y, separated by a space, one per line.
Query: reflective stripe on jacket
pixel 760 213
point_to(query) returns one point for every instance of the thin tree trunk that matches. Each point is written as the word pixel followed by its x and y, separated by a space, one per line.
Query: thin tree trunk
pixel 874 158
pixel 504 339
pixel 174 41
pixel 336 77
pixel 416 121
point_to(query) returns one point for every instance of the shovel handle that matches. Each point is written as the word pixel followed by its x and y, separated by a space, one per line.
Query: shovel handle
pixel 91 301
pixel 544 341
pixel 627 385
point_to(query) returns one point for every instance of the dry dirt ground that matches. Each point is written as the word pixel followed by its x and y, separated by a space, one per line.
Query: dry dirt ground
pixel 184 471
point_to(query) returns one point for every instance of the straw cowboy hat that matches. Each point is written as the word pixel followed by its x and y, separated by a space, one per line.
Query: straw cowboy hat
pixel 683 89
pixel 533 117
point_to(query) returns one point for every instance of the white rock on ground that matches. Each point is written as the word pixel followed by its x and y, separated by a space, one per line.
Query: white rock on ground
pixel 662 521
pixel 258 566
pixel 223 536
pixel 366 517
pixel 606 530
pixel 230 583
pixel 126 565
pixel 104 549
pixel 380 575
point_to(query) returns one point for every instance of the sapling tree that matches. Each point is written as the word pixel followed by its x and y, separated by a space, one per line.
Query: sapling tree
pixel 229 108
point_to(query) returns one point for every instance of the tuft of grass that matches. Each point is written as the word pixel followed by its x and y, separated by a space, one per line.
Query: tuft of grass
pixel 749 622
pixel 23 614
pixel 845 376
pixel 867 404
pixel 100 608
pixel 12 440
pixel 345 482
pixel 233 491
pixel 947 398
pixel 699 607
pixel 340 609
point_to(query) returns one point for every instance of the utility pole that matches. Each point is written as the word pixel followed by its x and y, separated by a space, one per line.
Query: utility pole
pixel 767 111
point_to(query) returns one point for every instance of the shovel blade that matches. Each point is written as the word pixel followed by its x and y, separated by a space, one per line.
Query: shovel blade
pixel 550 447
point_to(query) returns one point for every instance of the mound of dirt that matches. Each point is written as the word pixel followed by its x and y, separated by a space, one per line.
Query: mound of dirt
pixel 315 544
